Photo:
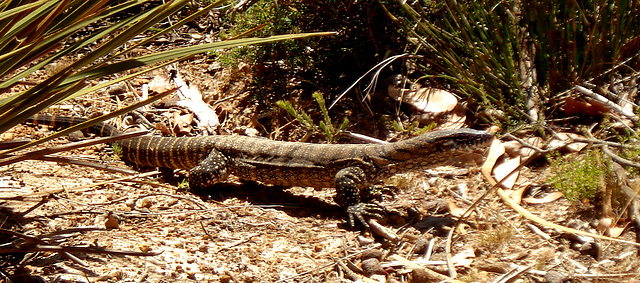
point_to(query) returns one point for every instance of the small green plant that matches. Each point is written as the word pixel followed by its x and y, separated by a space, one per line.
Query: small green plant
pixel 496 237
pixel 325 126
pixel 117 151
pixel 579 178
pixel 184 185
pixel 413 129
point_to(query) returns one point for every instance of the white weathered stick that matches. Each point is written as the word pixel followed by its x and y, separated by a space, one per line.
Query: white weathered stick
pixel 630 115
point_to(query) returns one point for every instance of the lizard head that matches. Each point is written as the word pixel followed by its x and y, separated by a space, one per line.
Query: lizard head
pixel 440 144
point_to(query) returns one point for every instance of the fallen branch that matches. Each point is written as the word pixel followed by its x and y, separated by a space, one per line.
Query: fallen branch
pixel 486 172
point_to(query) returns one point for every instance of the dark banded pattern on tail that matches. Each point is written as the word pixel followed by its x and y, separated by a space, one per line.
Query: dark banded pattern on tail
pixel 100 129
pixel 166 152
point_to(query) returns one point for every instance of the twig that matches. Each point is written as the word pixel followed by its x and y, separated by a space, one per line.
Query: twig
pixel 503 195
pixel 629 115
pixel 539 232
pixel 238 242
pixel 40 153
pixel 202 206
pixel 579 275
pixel 450 266
pixel 80 188
pixel 375 246
pixel 13 143
pixel 37 241
pixel 597 141
pixel 100 166
pixel 61 249
pixel 619 159
pixel 364 138
pixel 44 200
pixel 434 275
pixel 378 67
pixel 526 144
pixel 527 214
pixel 513 273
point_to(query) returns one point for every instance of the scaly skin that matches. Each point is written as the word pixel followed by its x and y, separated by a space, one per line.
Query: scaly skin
pixel 349 168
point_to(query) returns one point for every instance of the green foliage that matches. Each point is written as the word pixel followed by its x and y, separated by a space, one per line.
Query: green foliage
pixel 55 39
pixel 117 149
pixel 325 126
pixel 500 53
pixel 580 178
pixel 414 128
pixel 579 40
pixel 329 64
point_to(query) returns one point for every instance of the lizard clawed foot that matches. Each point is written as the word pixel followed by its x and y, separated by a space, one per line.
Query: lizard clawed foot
pixel 359 210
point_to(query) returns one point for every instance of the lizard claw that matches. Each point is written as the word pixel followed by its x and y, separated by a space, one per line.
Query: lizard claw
pixel 359 210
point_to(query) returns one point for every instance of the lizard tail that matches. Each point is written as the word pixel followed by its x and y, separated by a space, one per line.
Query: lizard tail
pixel 100 129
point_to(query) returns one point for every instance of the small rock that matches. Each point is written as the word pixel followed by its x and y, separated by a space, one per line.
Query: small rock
pixel 372 266
pixel 112 222
pixel 374 253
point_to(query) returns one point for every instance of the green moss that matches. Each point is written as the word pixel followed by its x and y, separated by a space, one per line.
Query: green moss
pixel 581 177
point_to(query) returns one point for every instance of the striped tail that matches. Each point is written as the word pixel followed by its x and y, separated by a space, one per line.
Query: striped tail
pixel 100 129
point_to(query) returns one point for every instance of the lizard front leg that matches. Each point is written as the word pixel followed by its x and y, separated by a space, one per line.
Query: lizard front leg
pixel 349 182
pixel 212 170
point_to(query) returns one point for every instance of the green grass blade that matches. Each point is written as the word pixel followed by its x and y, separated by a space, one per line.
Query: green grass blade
pixel 183 52
pixel 89 123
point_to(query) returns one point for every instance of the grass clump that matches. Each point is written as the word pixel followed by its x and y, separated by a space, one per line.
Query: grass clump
pixel 514 58
pixel 324 126
pixel 496 237
pixel 579 178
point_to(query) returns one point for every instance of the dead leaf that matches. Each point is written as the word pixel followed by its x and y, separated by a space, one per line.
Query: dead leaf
pixel 159 84
pixel 607 226
pixel 516 195
pixel 163 129
pixel 430 100
pixel 581 107
pixel 495 152
pixel 455 119
pixel 616 231
pixel 455 210
pixel 502 170
pixel 512 148
pixel 493 129
pixel 382 230
pixel 182 123
pixel 464 258
pixel 515 148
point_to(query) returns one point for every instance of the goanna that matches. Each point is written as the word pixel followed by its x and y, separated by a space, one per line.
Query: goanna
pixel 349 168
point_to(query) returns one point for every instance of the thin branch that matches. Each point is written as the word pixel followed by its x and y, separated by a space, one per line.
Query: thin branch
pixel 40 153
pixel 96 165
pixel 618 159
pixel 61 249
pixel 630 115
